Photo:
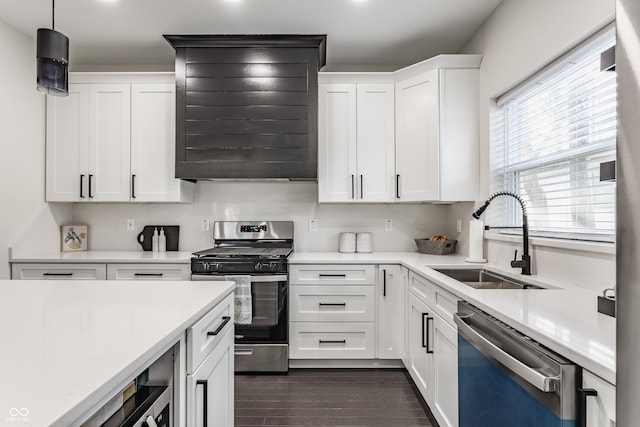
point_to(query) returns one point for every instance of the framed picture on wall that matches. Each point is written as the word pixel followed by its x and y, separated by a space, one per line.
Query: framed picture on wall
pixel 74 238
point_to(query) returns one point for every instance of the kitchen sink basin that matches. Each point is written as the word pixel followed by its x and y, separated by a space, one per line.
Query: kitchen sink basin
pixel 480 278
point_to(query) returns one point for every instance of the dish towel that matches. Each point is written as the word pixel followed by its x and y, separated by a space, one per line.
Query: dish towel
pixel 242 299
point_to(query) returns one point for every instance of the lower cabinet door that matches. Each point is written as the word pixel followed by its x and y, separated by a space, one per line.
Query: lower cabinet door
pixel 210 387
pixel 601 409
pixel 445 369
pixel 419 365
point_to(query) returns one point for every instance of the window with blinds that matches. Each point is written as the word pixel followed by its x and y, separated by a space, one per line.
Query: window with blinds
pixel 550 135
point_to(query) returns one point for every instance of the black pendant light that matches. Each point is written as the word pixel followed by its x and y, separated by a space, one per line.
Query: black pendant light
pixel 53 59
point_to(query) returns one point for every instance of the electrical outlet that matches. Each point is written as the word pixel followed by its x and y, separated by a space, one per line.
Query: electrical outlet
pixel 313 225
pixel 459 225
pixel 131 224
pixel 388 225
pixel 204 224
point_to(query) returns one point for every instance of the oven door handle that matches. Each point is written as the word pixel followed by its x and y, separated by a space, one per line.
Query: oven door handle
pixel 540 381
pixel 254 279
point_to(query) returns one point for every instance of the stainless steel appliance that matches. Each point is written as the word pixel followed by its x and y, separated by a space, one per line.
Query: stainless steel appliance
pixel 257 251
pixel 627 219
pixel 507 379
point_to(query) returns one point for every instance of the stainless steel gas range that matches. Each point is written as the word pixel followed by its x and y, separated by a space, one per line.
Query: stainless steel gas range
pixel 255 254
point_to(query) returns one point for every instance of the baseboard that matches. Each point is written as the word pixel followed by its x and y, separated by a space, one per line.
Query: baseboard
pixel 346 363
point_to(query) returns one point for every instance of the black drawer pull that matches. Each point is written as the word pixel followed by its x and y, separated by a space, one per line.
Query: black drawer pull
pixel 397 186
pixel 353 191
pixel 205 386
pixel 225 320
pixel 424 339
pixel 81 188
pixel 90 179
pixel 148 274
pixel 133 186
pixel 58 274
pixel 332 275
pixel 582 404
pixel 342 304
pixel 332 341
pixel 429 349
pixel 384 283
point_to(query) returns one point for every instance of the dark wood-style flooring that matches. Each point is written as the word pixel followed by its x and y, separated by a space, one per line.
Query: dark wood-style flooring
pixel 330 397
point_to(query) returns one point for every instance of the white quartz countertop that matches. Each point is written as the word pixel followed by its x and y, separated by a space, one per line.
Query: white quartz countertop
pixel 563 318
pixel 175 257
pixel 69 344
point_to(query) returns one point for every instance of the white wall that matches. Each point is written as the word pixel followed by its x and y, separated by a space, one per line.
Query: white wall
pixel 22 130
pixel 291 201
pixel 518 39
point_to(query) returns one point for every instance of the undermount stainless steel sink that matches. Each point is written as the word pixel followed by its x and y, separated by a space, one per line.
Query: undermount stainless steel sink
pixel 480 278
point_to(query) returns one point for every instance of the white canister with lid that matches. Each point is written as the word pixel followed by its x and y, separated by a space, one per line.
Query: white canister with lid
pixel 347 242
pixel 363 242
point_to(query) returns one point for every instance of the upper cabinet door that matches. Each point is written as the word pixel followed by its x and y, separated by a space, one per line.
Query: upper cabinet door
pixel 67 138
pixel 337 143
pixel 375 143
pixel 153 133
pixel 417 138
pixel 109 142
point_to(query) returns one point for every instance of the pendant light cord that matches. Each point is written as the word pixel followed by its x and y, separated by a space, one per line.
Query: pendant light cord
pixel 53 14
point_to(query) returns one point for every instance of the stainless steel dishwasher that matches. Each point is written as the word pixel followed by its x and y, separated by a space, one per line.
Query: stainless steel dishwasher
pixel 506 379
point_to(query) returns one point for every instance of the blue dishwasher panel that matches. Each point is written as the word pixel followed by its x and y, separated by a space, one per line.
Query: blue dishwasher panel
pixel 488 397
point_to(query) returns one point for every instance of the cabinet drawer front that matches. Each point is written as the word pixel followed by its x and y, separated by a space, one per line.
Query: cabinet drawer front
pixel 419 286
pixel 59 271
pixel 332 303
pixel 444 303
pixel 332 274
pixel 331 340
pixel 205 334
pixel 148 272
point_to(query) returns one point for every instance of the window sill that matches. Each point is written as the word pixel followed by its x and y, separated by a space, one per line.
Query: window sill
pixel 574 245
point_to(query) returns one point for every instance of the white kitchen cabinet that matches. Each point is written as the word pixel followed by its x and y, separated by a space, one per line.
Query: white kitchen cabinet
pixel 330 274
pixel 390 303
pixel 356 142
pixel 210 368
pixel 153 122
pixel 332 340
pixel 67 155
pixel 433 349
pixel 66 271
pixel 148 272
pixel 601 409
pixel 112 140
pixel 437 137
pixel 419 367
pixel 332 304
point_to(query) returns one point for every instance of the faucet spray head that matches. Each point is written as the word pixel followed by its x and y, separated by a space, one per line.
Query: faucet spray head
pixel 481 210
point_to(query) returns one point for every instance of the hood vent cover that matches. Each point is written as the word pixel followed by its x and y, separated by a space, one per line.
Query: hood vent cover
pixel 246 106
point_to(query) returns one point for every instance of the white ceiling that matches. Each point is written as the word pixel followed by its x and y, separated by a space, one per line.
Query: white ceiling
pixel 359 32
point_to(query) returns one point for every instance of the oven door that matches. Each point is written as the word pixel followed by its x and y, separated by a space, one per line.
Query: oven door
pixel 269 314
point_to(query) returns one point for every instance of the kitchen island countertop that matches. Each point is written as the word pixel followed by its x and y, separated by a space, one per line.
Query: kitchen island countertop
pixel 69 344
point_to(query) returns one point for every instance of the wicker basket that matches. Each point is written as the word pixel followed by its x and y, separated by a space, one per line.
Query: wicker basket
pixel 434 247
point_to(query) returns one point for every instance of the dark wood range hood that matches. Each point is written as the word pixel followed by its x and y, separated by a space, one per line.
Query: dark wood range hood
pixel 247 106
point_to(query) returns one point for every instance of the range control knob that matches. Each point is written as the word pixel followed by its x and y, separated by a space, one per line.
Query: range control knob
pixel 265 266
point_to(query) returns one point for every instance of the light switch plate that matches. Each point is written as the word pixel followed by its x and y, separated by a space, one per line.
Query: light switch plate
pixel 459 225
pixel 204 224
pixel 388 225
pixel 131 224
pixel 313 225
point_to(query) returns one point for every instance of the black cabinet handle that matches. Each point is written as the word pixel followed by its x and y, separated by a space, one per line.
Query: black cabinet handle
pixel 90 179
pixel 58 274
pixel 361 186
pixel 204 385
pixel 353 187
pixel 148 274
pixel 424 344
pixel 332 275
pixel 429 350
pixel 397 186
pixel 81 186
pixel 133 186
pixel 384 283
pixel 341 304
pixel 225 320
pixel 332 341
pixel 582 404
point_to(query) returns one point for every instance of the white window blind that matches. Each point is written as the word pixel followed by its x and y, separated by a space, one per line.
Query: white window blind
pixel 549 136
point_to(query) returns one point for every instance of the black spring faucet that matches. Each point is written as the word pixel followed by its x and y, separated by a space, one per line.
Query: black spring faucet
pixel 525 262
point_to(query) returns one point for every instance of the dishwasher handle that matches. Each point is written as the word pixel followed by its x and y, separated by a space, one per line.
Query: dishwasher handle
pixel 540 381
